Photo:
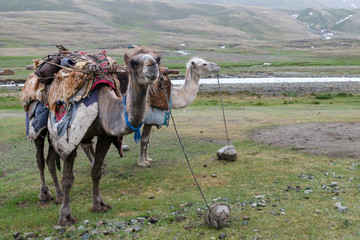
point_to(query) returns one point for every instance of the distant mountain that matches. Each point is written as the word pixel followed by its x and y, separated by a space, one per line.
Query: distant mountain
pixel 114 23
pixel 286 4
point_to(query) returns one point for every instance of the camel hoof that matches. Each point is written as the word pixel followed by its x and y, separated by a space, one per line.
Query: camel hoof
pixel 149 160
pixel 45 195
pixel 143 164
pixel 65 221
pixel 103 207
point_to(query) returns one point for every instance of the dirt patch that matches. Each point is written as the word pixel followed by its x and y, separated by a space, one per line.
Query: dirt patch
pixel 329 139
pixel 4 115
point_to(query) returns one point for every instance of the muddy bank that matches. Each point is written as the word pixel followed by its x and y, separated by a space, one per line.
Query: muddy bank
pixel 280 89
pixel 329 139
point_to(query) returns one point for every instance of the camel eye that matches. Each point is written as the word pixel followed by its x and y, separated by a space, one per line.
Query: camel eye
pixel 205 64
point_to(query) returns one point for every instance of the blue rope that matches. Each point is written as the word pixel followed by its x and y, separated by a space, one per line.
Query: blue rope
pixel 167 114
pixel 137 133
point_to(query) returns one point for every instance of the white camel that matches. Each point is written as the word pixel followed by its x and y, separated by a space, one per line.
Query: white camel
pixel 181 96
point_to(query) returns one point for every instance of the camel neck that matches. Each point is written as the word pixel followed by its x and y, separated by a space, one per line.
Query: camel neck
pixel 136 104
pixel 184 95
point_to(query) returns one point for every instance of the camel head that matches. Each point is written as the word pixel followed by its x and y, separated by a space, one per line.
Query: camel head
pixel 202 67
pixel 143 66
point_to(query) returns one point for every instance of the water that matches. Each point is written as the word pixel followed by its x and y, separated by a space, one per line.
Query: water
pixel 270 80
pixel 254 80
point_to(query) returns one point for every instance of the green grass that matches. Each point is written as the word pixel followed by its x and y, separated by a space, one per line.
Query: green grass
pixel 259 170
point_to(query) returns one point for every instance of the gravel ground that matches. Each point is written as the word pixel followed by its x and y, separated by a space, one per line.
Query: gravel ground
pixel 329 139
pixel 279 89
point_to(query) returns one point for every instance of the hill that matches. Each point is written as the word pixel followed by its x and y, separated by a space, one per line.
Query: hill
pixel 118 23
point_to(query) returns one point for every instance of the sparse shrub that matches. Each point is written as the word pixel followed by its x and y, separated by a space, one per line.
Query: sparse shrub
pixel 290 94
pixel 344 94
pixel 324 96
pixel 315 102
pixel 260 104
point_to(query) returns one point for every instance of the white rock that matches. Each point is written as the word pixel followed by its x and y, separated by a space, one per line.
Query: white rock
pixel 227 153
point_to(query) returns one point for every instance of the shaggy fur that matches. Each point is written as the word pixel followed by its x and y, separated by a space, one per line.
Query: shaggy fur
pixel 157 96
pixel 65 85
pixel 32 90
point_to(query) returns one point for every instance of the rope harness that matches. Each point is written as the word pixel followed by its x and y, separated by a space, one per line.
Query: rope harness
pixel 222 107
pixel 186 157
pixel 137 133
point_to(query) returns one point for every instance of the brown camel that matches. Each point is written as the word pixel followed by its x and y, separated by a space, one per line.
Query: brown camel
pixel 143 71
pixel 181 97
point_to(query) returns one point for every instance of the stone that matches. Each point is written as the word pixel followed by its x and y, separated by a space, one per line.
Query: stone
pixel 217 215
pixel 6 72
pixel 16 234
pixel 125 148
pixel 48 238
pixel 29 235
pixel 57 227
pixel 153 220
pixel 340 207
pixel 227 153
pixel 86 222
pixel 70 229
pixel 99 224
pixel 222 236
pixel 30 67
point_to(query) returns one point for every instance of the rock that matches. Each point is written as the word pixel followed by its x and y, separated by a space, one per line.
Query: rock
pixel 333 184
pixel 153 220
pixel 222 236
pixel 94 233
pixel 227 153
pixel 128 230
pixel 213 175
pixel 81 228
pixel 86 222
pixel 30 67
pixel 16 234
pixel 99 224
pixel 29 235
pixel 48 238
pixel 70 229
pixel 6 72
pixel 141 219
pixel 85 236
pixel 57 227
pixel 340 208
pixel 218 215
pixel 125 148
pixel 137 228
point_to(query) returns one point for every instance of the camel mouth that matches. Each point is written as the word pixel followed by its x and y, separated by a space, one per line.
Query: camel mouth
pixel 217 70
pixel 151 78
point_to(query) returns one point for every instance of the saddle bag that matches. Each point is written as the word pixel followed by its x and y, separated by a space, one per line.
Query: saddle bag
pixel 48 69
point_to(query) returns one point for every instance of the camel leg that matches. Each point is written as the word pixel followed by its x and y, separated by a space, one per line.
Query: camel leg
pixel 45 194
pixel 89 151
pixel 144 160
pixel 102 146
pixel 65 217
pixel 50 161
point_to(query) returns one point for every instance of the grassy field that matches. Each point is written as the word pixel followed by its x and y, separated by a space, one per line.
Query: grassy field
pixel 160 191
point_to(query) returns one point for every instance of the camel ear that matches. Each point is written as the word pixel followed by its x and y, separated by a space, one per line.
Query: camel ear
pixel 126 58
pixel 133 63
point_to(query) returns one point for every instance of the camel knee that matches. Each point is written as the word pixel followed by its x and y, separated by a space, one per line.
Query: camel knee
pixel 67 181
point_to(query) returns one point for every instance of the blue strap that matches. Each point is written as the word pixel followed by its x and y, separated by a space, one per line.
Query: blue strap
pixel 137 133
pixel 167 114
